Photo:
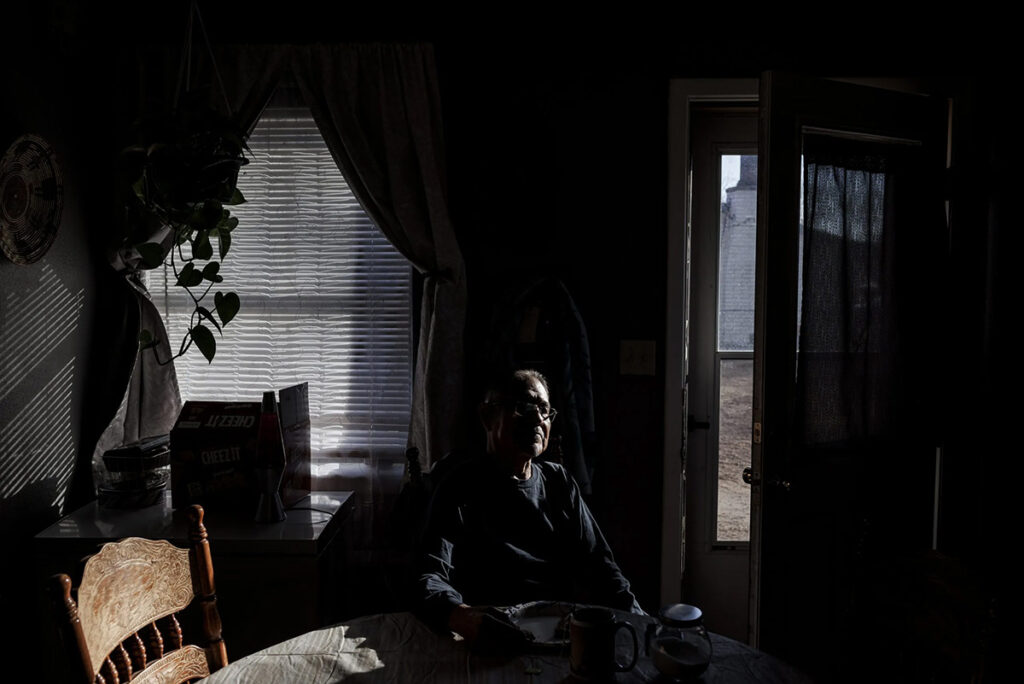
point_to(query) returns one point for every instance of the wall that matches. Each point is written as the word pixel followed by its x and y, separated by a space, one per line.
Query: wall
pixel 55 362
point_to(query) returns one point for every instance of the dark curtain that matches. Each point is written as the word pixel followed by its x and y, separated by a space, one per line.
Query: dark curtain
pixel 868 353
pixel 848 345
pixel 872 260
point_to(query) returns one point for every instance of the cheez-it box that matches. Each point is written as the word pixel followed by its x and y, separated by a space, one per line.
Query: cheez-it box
pixel 213 448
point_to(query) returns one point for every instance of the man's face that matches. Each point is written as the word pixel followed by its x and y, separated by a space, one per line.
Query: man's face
pixel 515 429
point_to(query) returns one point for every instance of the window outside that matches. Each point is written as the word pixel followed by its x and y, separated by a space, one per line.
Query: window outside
pixel 325 299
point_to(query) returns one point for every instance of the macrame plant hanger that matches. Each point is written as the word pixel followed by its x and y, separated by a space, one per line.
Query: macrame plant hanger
pixel 185 67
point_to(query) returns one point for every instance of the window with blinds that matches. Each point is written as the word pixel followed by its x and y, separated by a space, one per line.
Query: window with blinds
pixel 325 298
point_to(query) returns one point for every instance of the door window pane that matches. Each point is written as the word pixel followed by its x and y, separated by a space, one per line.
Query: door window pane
pixel 737 252
pixel 736 394
pixel 736 261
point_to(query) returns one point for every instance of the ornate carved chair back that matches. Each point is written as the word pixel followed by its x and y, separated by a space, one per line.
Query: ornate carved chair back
pixel 124 625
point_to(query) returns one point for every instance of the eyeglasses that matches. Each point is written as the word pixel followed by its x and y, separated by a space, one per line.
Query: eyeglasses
pixel 530 408
pixel 523 408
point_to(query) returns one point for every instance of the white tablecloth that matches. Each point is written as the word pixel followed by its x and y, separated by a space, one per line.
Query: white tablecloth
pixel 398 648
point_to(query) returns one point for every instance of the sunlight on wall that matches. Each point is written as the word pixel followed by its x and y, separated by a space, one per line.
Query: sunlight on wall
pixel 37 442
pixel 35 322
pixel 36 437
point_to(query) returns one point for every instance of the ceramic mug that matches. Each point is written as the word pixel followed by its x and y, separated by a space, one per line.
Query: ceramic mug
pixel 592 632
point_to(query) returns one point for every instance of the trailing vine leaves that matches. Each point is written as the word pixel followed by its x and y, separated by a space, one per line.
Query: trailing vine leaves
pixel 184 178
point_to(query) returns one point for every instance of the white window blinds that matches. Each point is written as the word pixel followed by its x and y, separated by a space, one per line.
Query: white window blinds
pixel 325 298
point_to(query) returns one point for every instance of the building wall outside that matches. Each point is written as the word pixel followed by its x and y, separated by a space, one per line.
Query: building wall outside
pixel 737 255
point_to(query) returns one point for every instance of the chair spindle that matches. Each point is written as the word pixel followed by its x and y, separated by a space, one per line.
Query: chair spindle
pixel 137 651
pixel 108 672
pixel 155 641
pixel 123 662
pixel 172 633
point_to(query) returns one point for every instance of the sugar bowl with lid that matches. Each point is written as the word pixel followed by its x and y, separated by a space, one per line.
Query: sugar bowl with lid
pixel 678 644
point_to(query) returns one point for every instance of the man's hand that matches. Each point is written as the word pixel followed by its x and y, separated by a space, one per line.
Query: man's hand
pixel 487 629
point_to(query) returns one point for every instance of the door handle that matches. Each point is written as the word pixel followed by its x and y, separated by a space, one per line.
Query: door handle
pixel 751 479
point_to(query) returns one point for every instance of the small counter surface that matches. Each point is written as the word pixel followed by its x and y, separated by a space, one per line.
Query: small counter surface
pixel 308 529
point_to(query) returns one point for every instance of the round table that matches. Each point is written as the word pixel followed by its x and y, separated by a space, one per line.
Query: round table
pixel 399 648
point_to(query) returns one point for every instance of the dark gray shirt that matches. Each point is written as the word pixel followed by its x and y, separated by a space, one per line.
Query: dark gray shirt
pixel 492 539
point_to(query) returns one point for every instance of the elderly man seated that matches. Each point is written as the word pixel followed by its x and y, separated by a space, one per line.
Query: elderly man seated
pixel 504 528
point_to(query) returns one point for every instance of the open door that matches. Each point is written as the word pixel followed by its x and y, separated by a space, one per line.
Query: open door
pixel 851 239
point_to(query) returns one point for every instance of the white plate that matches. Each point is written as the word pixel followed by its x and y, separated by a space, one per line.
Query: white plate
pixel 547 621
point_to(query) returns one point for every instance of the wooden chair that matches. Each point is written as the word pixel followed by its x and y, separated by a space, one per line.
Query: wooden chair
pixel 124 626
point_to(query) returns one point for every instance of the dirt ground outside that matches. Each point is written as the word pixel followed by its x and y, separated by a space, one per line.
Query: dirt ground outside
pixel 734 418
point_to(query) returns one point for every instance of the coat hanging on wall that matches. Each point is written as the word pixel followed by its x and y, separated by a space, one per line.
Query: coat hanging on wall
pixel 31 199
pixel 537 325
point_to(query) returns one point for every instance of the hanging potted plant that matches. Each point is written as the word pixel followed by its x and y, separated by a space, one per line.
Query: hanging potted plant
pixel 178 184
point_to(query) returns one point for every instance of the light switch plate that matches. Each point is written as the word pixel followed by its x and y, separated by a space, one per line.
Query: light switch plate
pixel 636 357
